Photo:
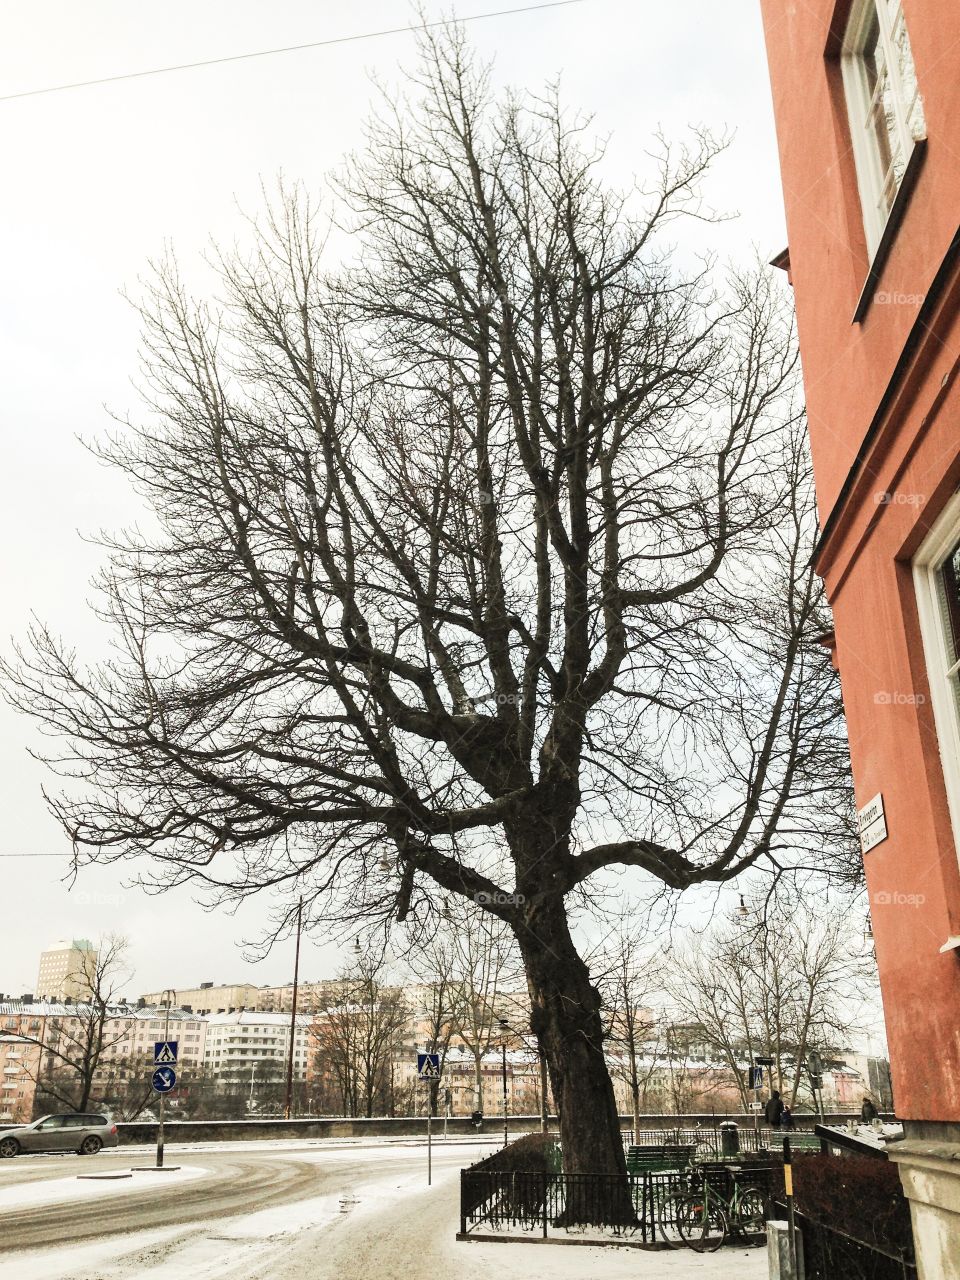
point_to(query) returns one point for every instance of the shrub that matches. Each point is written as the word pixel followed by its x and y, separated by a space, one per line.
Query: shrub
pixel 533 1153
pixel 858 1195
pixel 521 1198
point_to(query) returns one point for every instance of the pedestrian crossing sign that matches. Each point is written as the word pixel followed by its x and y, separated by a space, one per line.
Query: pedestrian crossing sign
pixel 428 1066
pixel 165 1053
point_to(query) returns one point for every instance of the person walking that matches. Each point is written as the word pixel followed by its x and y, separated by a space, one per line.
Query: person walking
pixel 786 1118
pixel 773 1111
pixel 868 1112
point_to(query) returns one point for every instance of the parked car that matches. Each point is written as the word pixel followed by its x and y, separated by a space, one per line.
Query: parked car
pixel 78 1131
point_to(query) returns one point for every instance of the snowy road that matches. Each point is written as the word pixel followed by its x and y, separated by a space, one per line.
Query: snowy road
pixel 291 1213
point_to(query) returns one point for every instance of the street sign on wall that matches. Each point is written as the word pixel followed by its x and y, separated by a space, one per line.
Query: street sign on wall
pixel 872 822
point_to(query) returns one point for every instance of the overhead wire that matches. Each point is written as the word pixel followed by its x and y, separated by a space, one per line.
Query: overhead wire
pixel 291 48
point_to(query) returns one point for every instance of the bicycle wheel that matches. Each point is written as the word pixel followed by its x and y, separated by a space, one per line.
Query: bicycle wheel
pixel 701 1222
pixel 751 1215
pixel 667 1219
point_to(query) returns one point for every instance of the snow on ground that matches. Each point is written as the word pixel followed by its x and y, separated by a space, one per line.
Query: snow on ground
pixel 382 1223
pixel 399 1231
pixel 30 1195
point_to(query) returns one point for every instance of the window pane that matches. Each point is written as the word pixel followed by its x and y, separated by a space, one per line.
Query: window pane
pixel 912 104
pixel 882 114
pixel 949 583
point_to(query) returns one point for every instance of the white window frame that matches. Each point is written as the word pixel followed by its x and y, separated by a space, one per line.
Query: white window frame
pixel 857 92
pixel 927 564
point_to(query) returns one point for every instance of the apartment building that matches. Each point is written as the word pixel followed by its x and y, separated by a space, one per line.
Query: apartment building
pixel 19 1062
pixel 66 970
pixel 254 1045
pixel 209 997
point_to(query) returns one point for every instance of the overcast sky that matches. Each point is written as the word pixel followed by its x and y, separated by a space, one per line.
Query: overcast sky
pixel 97 179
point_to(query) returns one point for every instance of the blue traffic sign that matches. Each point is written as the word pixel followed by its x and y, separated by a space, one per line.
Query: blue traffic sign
pixel 164 1079
pixel 165 1053
pixel 756 1076
pixel 428 1066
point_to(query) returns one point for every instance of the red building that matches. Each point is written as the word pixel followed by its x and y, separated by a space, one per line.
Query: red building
pixel 867 102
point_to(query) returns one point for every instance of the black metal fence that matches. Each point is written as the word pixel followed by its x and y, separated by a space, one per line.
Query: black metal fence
pixel 707 1142
pixel 509 1202
pixel 830 1254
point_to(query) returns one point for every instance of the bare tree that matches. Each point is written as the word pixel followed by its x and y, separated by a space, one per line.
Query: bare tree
pixel 77 1055
pixel 779 980
pixel 357 1037
pixel 433 962
pixel 484 970
pixel 630 980
pixel 495 549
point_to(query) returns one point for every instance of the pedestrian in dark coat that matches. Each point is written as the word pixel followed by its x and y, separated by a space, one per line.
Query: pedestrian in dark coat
pixel 773 1111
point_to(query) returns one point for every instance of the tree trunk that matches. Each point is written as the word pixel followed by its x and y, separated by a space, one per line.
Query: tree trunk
pixel 566 1019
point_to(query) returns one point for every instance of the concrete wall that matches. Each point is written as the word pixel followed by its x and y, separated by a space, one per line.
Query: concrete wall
pixel 385 1126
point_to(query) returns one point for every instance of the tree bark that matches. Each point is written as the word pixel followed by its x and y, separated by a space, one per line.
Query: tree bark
pixel 566 1019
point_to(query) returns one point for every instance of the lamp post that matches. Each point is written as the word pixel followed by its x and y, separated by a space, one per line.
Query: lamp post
pixel 504 1028
pixel 293 1015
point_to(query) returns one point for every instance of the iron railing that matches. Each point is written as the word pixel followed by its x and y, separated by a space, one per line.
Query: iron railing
pixel 706 1142
pixel 520 1203
pixel 830 1254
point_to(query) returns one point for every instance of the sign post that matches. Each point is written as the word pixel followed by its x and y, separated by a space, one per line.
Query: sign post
pixel 788 1196
pixel 428 1069
pixel 757 1081
pixel 164 1060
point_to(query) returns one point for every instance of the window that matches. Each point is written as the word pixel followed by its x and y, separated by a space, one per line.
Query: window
pixel 885 107
pixel 936 570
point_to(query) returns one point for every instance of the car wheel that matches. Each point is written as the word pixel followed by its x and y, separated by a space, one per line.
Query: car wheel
pixel 9 1147
pixel 90 1146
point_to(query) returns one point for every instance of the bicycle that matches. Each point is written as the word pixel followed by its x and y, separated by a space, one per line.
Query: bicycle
pixel 702 1217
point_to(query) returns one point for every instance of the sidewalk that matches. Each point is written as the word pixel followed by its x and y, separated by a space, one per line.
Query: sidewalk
pixel 398 1231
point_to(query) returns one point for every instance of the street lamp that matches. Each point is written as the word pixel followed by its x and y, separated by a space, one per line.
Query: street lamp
pixel 504 1028
pixel 288 1101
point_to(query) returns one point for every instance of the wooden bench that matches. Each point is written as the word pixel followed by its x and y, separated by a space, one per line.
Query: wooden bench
pixel 655 1157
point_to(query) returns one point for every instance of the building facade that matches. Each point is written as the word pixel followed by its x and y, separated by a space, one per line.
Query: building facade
pixel 866 95
pixel 66 970
pixel 19 1062
pixel 209 997
pixel 254 1046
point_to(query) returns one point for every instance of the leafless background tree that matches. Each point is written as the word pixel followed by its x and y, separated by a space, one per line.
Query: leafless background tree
pixel 493 547
pixel 79 1063
pixel 782 979
pixel 356 1038
pixel 468 967
pixel 630 980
